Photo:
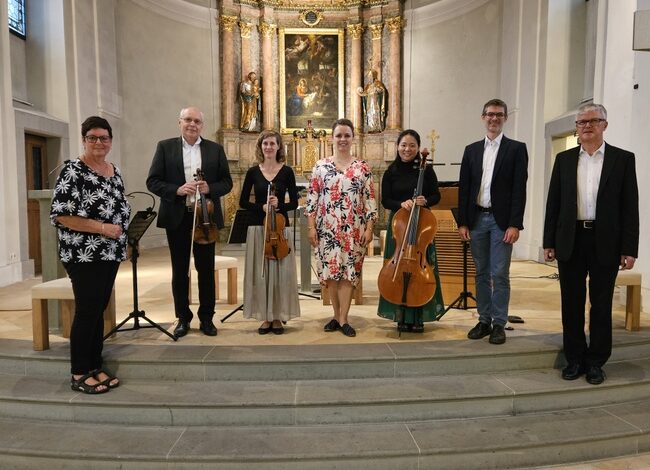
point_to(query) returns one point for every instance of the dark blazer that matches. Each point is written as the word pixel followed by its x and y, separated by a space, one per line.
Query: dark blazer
pixel 617 206
pixel 508 189
pixel 166 175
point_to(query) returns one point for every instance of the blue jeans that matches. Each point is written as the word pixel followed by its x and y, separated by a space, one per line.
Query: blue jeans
pixel 492 260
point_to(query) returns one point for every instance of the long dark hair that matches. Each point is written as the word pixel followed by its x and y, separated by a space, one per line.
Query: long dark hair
pixel 404 133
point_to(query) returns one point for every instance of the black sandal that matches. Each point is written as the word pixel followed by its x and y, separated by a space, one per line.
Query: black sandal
pixel 80 385
pixel 347 330
pixel 110 378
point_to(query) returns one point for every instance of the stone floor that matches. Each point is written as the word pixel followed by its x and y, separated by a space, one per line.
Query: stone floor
pixel 535 298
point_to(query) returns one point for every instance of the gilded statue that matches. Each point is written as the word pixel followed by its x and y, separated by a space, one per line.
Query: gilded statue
pixel 374 100
pixel 249 97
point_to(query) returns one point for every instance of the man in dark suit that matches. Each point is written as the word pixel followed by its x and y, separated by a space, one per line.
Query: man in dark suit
pixel 591 228
pixel 491 202
pixel 171 177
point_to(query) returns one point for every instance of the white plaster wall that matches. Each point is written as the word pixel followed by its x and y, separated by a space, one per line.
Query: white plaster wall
pixel 163 66
pixel 451 69
pixel 18 67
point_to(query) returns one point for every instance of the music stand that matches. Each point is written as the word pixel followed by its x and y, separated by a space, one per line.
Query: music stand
pixel 461 301
pixel 137 227
pixel 238 230
pixel 305 250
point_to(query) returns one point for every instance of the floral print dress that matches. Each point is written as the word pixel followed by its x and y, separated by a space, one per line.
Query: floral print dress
pixel 342 202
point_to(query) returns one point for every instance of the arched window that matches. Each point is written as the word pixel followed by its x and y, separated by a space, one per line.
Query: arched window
pixel 17 17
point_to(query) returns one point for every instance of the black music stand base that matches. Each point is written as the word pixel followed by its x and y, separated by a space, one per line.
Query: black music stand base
pixel 461 301
pixel 241 307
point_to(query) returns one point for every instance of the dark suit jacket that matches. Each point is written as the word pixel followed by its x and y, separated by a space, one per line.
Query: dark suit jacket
pixel 508 189
pixel 166 175
pixel 617 206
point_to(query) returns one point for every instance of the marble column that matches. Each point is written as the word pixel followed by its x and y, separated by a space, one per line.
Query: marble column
pixel 245 29
pixel 228 84
pixel 376 30
pixel 395 27
pixel 355 31
pixel 269 83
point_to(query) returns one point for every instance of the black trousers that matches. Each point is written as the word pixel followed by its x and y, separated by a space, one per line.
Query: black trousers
pixel 92 284
pixel 179 248
pixel 573 274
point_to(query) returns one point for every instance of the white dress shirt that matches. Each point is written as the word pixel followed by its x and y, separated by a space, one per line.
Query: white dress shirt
pixel 590 168
pixel 489 157
pixel 191 162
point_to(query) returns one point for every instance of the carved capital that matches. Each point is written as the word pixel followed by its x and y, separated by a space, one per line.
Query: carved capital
pixel 355 30
pixel 396 24
pixel 376 30
pixel 245 29
pixel 267 29
pixel 227 22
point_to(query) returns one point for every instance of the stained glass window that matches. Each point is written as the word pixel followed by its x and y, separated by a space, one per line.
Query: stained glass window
pixel 17 17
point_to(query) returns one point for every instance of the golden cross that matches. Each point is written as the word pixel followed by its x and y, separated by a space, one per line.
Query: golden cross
pixel 433 135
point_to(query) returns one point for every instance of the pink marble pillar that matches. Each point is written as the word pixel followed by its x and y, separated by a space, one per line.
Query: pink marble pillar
pixel 355 31
pixel 228 85
pixel 395 27
pixel 269 83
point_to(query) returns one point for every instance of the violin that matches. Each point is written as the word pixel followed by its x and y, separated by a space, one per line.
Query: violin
pixel 276 246
pixel 205 229
pixel 407 279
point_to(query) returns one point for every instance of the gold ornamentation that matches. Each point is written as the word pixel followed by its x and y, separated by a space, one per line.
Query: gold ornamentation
pixel 311 17
pixel 245 29
pixel 232 202
pixel 267 29
pixel 396 24
pixel 355 30
pixel 433 135
pixel 376 30
pixel 227 22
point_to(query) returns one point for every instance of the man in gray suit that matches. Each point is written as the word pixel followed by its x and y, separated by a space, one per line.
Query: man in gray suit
pixel 171 177
pixel 592 229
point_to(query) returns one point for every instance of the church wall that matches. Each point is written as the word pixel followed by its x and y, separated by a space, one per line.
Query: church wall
pixel 163 65
pixel 451 69
pixel 18 67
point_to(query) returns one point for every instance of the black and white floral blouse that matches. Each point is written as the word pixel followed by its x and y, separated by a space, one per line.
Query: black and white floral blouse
pixel 82 192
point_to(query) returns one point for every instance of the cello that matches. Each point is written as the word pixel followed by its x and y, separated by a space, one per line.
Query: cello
pixel 407 279
pixel 276 246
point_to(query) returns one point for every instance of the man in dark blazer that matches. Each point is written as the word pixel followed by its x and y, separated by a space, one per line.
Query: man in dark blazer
pixel 491 202
pixel 171 177
pixel 592 229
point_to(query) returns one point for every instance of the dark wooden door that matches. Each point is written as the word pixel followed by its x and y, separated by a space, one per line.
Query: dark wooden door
pixel 36 171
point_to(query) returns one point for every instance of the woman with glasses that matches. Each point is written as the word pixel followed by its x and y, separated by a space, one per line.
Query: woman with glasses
pixel 91 214
pixel 397 187
pixel 270 287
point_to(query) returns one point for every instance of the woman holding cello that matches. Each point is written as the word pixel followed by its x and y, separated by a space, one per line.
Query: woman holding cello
pixel 270 282
pixel 397 187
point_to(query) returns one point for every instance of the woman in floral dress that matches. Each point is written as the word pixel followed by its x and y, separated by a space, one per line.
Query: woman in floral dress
pixel 341 211
pixel 91 214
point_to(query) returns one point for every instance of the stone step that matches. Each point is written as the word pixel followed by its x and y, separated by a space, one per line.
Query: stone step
pixel 175 361
pixel 496 442
pixel 320 402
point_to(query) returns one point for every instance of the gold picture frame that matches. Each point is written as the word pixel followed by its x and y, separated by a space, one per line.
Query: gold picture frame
pixel 312 86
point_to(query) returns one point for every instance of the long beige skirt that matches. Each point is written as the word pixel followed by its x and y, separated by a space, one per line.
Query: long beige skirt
pixel 274 297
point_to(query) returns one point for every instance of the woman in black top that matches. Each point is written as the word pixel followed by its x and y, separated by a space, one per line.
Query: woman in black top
pixel 91 214
pixel 397 187
pixel 273 298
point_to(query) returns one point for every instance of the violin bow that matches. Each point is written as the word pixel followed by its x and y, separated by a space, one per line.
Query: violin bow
pixel 266 222
pixel 197 195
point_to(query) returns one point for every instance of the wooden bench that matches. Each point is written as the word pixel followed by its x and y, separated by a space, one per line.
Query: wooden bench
pixel 633 299
pixel 59 289
pixel 222 262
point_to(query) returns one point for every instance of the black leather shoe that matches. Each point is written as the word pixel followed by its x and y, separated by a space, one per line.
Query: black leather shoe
pixel 481 330
pixel 417 329
pixel 498 335
pixel 208 328
pixel 332 325
pixel 182 328
pixel 595 375
pixel 572 371
pixel 261 330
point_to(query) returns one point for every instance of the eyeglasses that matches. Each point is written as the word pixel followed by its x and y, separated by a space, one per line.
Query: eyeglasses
pixel 593 122
pixel 495 115
pixel 104 139
pixel 187 120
